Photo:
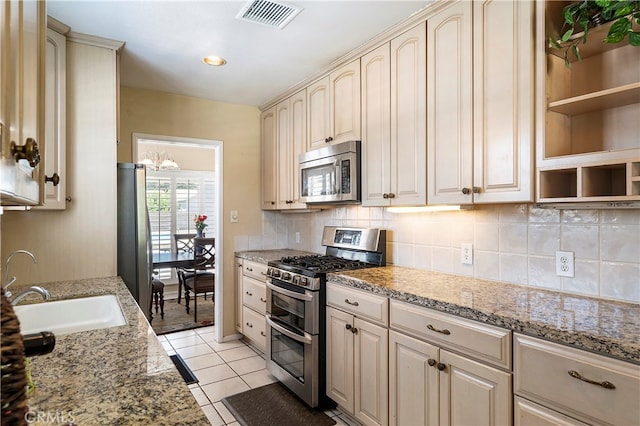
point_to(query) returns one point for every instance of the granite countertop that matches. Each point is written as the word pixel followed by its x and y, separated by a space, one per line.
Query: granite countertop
pixel 115 376
pixel 603 326
pixel 266 256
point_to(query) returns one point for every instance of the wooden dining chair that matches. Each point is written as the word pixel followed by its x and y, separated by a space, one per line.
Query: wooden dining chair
pixel 183 243
pixel 203 279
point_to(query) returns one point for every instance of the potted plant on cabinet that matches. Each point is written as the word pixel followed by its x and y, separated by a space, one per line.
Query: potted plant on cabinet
pixel 580 17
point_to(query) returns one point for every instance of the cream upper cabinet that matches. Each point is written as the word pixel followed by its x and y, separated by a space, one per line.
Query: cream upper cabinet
pixel 588 147
pixel 21 110
pixel 55 122
pixel 291 131
pixel 333 104
pixel 394 121
pixel 269 158
pixel 480 103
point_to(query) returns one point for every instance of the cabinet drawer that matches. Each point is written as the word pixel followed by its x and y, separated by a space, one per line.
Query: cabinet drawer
pixel 484 342
pixel 254 270
pixel 544 372
pixel 527 413
pixel 254 294
pixel 359 303
pixel 254 327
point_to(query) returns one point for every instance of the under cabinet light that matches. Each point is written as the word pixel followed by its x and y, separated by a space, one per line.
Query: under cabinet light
pixel 426 209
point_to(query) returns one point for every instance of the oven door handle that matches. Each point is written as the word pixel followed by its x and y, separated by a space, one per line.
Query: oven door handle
pixel 300 296
pixel 306 339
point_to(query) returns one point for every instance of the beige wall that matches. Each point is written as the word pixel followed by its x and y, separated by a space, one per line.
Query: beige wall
pixel 79 242
pixel 237 126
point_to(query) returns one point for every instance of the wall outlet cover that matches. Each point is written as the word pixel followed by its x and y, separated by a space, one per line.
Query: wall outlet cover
pixel 565 266
pixel 466 254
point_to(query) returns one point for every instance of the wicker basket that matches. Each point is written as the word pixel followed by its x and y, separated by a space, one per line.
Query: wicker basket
pixel 14 380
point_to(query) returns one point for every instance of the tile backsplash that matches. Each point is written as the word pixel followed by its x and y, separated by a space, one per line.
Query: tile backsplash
pixel 511 243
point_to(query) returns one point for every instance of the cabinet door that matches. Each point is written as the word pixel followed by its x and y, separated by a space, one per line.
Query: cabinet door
pixel 284 151
pixel 344 103
pixel 449 105
pixel 413 383
pixel 473 393
pixel 23 37
pixel 408 113
pixel 503 83
pixel 238 282
pixel 55 121
pixel 298 122
pixel 370 367
pixel 269 158
pixel 318 114
pixel 340 358
pixel 376 126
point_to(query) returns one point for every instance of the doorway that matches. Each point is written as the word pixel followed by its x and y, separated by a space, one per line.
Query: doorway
pixel 184 177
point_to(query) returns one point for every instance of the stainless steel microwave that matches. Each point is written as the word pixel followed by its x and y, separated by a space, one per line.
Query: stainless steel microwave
pixel 331 174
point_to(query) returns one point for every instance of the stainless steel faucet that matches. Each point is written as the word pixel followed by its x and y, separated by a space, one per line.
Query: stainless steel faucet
pixel 7 281
pixel 33 289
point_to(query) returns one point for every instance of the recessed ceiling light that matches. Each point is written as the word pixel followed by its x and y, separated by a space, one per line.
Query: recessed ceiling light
pixel 216 61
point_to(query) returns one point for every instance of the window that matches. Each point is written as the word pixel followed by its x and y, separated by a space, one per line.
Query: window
pixel 173 199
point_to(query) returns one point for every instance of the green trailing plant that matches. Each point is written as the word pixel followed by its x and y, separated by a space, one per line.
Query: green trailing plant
pixel 583 15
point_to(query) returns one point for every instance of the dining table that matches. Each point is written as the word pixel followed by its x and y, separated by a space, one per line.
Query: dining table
pixel 167 259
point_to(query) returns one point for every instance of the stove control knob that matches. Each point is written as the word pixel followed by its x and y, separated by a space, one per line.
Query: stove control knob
pixel 269 271
pixel 286 276
pixel 304 281
pixel 276 273
pixel 296 279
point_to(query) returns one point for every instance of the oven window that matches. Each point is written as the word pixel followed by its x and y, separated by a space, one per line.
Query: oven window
pixel 288 354
pixel 287 310
pixel 319 181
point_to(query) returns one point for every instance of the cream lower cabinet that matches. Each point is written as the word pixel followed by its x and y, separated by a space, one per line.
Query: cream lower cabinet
pixel 357 361
pixel 430 384
pixel 238 304
pixel 254 302
pixel 480 103
pixel 563 385
pixel 394 156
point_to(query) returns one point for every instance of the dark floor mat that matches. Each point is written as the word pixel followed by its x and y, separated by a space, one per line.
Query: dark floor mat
pixel 273 405
pixel 183 369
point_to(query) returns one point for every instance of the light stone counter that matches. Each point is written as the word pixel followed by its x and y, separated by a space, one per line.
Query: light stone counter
pixel 597 325
pixel 114 376
pixel 266 256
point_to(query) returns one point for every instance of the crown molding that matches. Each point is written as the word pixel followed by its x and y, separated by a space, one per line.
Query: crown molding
pixel 95 41
pixel 57 26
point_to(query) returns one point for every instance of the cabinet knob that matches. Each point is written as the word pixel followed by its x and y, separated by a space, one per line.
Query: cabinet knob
pixel 354 330
pixel 385 195
pixel 29 151
pixel 55 179
pixel 431 362
pixel 466 191
pixel 476 190
pixel 441 366
pixel 348 326
pixel 329 139
pixel 392 195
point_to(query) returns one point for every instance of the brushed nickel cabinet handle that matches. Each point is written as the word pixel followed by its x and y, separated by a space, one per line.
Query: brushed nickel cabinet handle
pixel 443 331
pixel 348 302
pixel 605 384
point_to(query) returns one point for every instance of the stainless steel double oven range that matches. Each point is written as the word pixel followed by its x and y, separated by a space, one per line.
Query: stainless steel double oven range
pixel 296 297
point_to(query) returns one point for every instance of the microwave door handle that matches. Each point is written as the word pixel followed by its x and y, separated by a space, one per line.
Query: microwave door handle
pixel 306 339
pixel 292 294
pixel 338 179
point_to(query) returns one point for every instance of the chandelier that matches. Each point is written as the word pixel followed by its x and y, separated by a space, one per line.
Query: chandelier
pixel 159 161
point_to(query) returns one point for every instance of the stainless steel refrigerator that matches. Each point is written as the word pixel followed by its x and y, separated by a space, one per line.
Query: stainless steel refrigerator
pixel 134 234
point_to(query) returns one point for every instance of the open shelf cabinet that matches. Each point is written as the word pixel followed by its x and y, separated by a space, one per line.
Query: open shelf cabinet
pixel 589 117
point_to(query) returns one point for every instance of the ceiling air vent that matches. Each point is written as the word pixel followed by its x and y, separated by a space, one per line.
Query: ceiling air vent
pixel 268 13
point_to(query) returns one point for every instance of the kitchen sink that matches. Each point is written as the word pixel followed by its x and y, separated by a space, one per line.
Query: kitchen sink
pixel 71 315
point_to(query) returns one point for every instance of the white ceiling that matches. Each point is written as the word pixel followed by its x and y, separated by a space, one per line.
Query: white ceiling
pixel 166 40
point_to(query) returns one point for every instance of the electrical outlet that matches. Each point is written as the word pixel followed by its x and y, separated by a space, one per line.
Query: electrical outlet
pixel 565 264
pixel 466 254
pixel 297 237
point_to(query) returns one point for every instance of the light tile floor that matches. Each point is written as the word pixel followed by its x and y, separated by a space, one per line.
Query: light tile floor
pixel 224 369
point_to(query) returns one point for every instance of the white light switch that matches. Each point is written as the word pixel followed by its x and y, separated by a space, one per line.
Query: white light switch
pixel 234 216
